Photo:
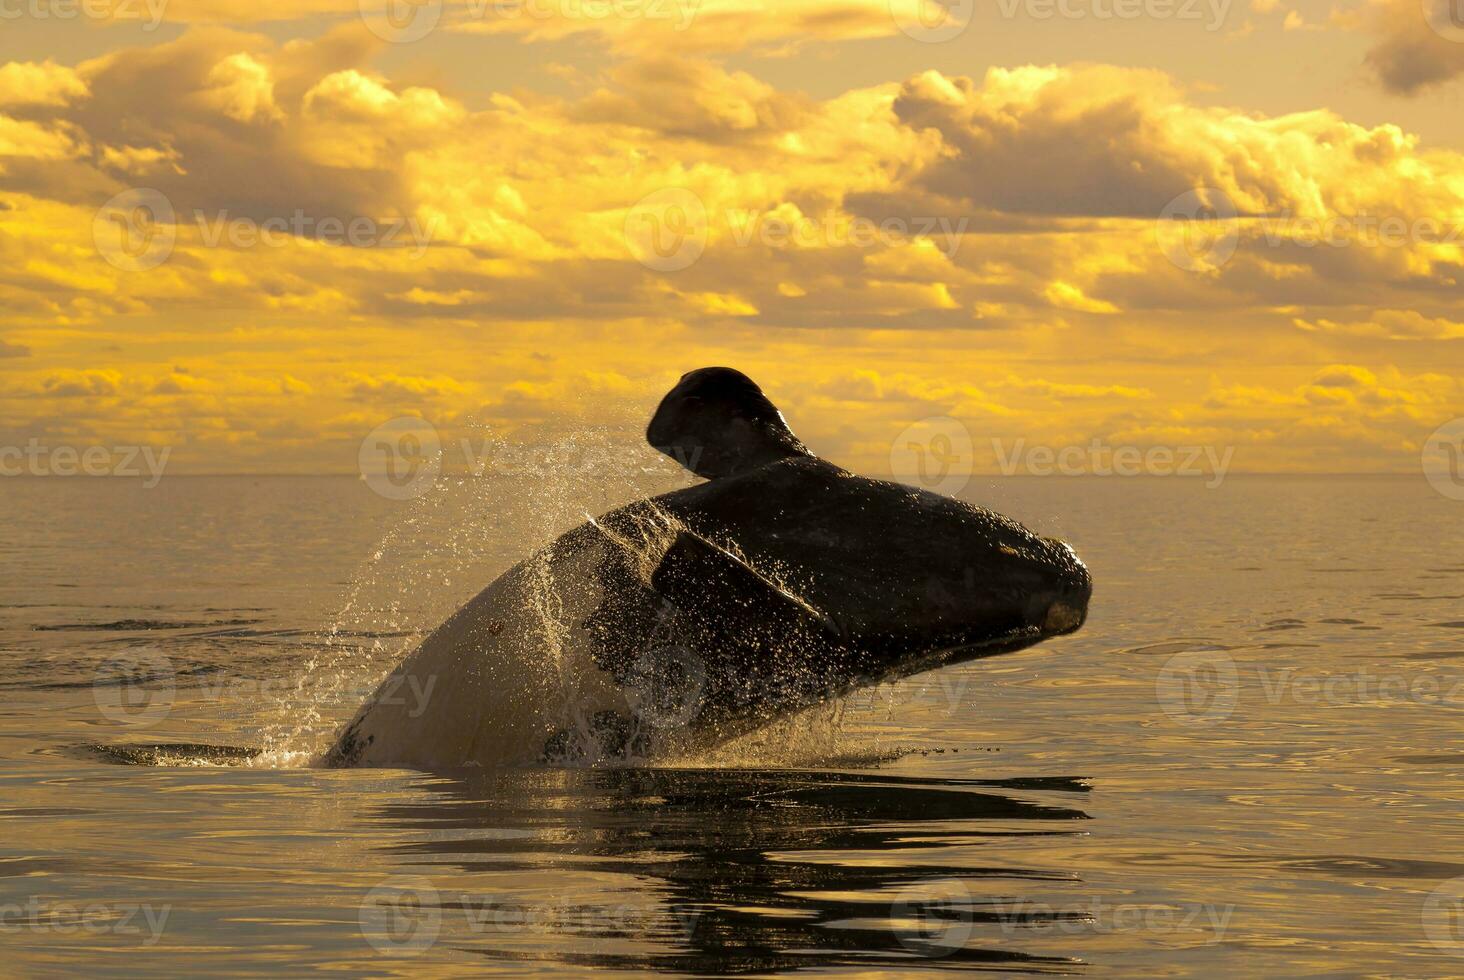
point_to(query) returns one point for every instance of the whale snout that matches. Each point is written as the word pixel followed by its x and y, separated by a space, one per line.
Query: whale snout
pixel 1063 617
pixel 1062 607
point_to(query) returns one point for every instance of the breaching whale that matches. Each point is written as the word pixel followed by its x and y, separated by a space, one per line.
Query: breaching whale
pixel 690 618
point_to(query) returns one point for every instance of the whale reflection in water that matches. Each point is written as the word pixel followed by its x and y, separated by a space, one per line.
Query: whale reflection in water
pixel 729 871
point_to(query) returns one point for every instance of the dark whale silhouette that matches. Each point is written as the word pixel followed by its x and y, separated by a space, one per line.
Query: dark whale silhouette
pixel 696 616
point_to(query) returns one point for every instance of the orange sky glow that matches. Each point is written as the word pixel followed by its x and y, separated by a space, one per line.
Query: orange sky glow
pixel 253 232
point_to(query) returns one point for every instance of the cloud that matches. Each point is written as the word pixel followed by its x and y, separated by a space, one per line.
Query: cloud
pixel 24 139
pixel 1050 389
pixel 848 211
pixel 242 89
pixel 39 84
pixel 390 388
pixel 640 27
pixel 1410 54
pixel 1101 141
pixel 1390 325
pixel 82 384
pixel 710 102
pixel 938 245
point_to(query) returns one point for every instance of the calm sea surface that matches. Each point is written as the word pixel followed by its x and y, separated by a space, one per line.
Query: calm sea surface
pixel 1247 762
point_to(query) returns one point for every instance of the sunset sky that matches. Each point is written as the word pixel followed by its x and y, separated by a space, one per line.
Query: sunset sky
pixel 880 215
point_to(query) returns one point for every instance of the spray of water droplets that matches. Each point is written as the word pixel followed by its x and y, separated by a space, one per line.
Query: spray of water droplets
pixel 453 540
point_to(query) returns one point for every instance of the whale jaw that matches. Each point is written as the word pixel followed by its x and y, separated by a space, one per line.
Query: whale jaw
pixel 1063 617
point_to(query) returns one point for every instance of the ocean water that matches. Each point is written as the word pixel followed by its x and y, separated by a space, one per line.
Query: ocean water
pixel 1247 761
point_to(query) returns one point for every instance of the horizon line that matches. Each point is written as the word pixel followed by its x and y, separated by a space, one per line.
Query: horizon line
pixel 879 474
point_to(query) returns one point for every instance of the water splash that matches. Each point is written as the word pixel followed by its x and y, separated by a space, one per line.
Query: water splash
pixel 516 497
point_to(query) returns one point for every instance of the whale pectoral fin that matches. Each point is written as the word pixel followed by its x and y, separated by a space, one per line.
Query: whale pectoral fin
pixel 697 576
pixel 741 610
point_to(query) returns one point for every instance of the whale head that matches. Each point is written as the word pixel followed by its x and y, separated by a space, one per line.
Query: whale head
pixel 875 580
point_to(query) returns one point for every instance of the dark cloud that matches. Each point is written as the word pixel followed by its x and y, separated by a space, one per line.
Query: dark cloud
pixel 1410 56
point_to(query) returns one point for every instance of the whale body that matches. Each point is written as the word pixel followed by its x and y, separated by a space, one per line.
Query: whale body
pixel 685 620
